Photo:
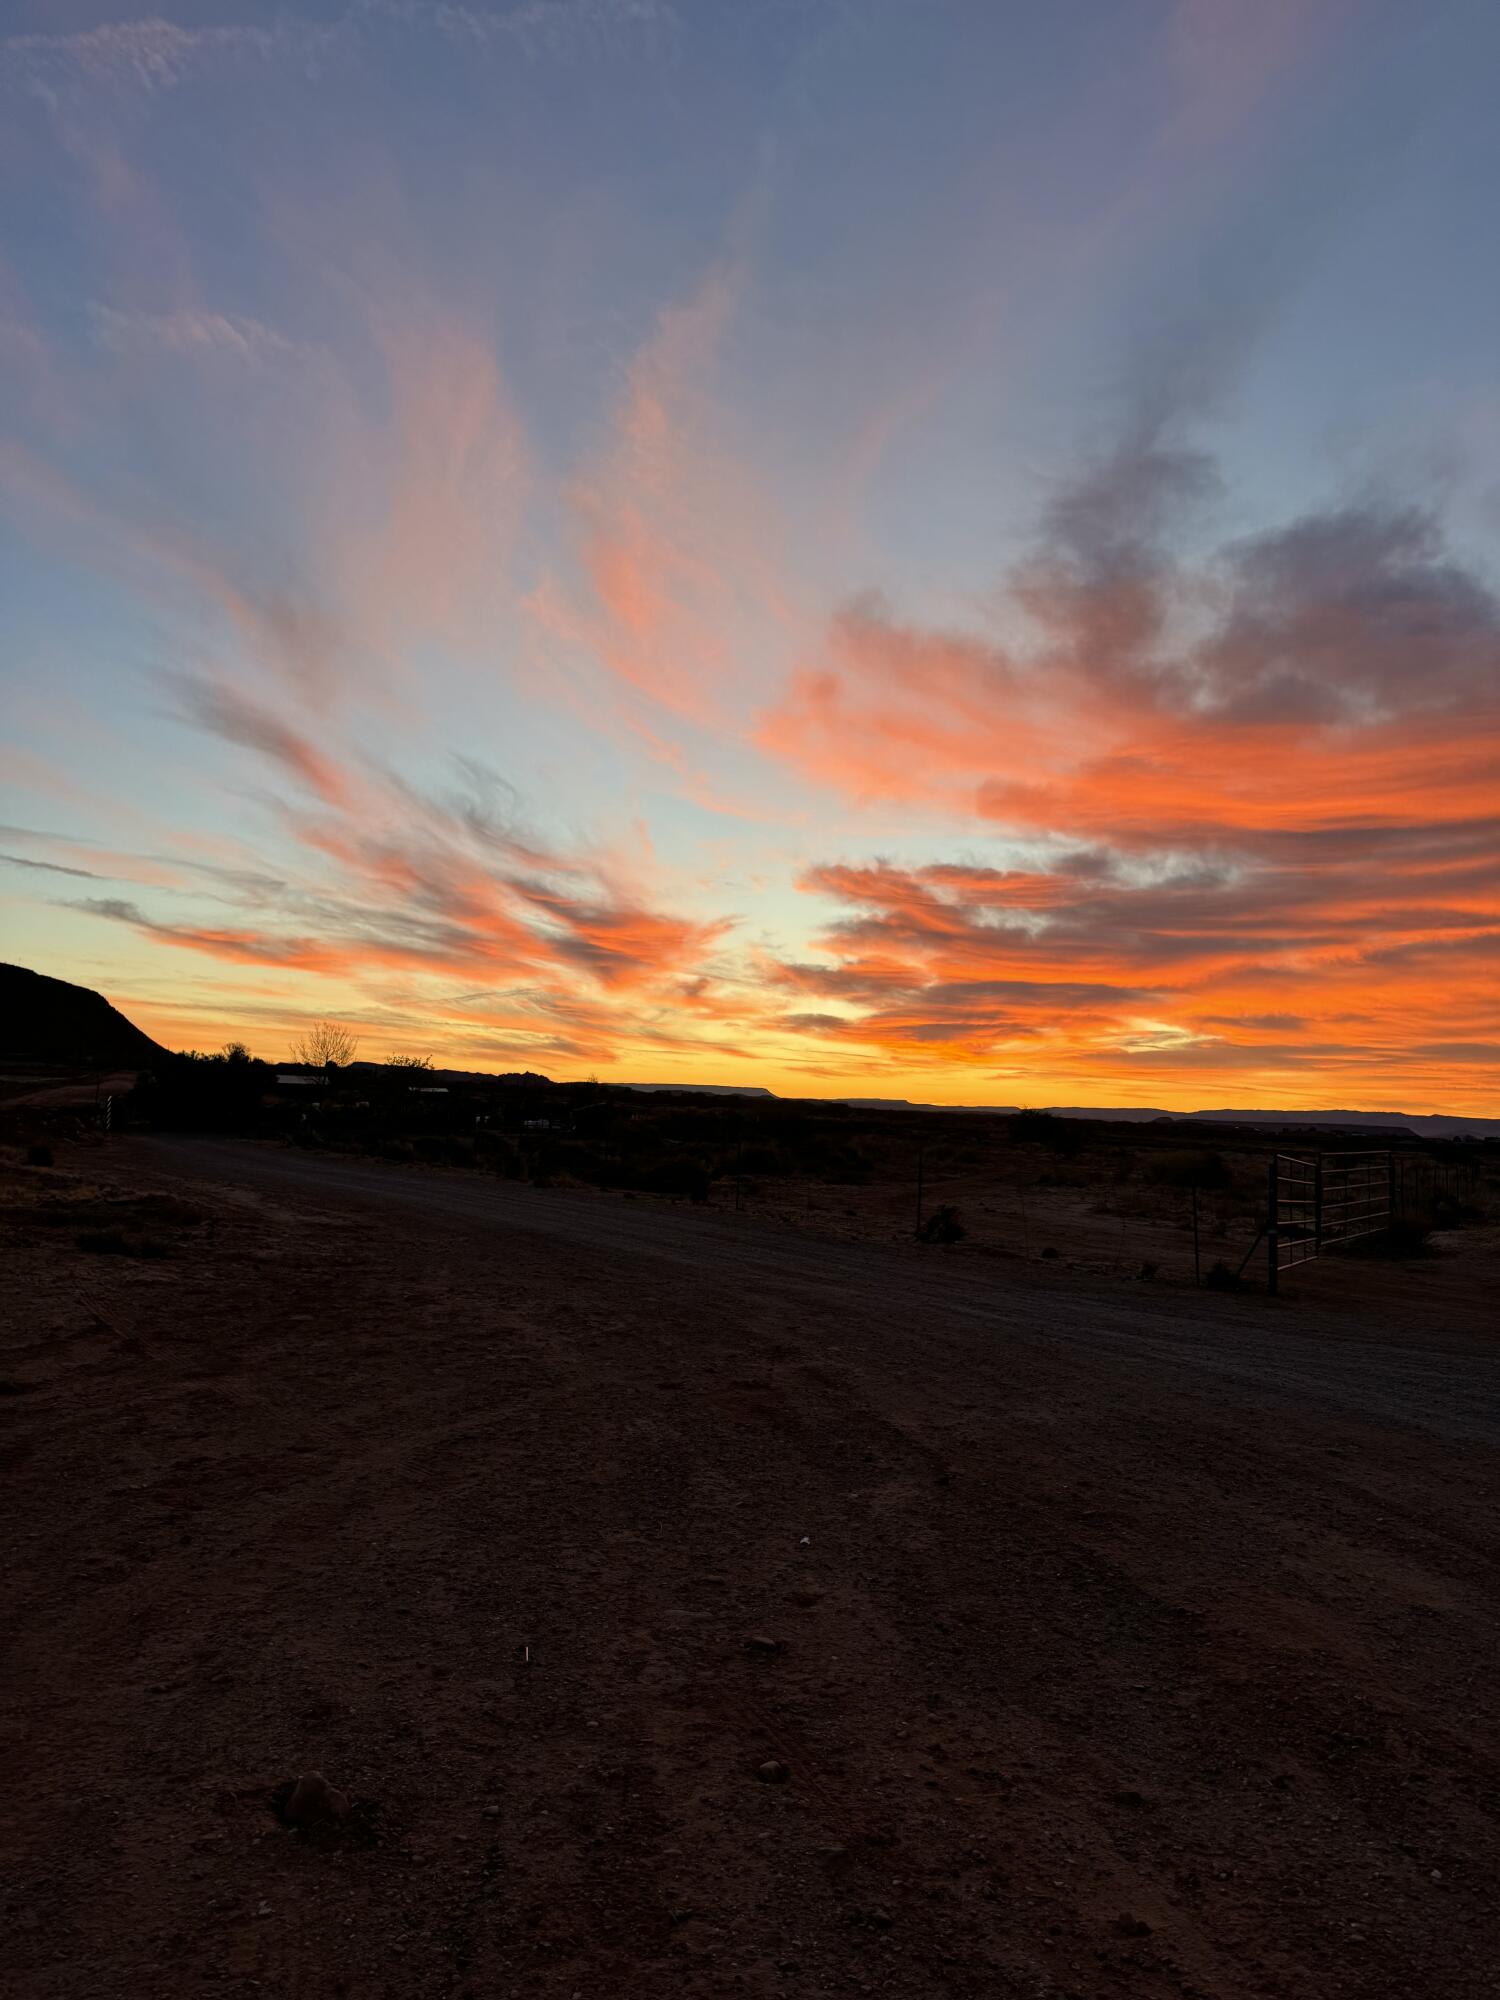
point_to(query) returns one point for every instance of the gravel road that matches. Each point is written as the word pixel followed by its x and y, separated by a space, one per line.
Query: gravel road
pixel 1300 1350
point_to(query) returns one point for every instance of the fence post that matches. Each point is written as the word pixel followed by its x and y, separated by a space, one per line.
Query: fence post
pixel 1271 1228
pixel 921 1160
pixel 1197 1267
pixel 1318 1206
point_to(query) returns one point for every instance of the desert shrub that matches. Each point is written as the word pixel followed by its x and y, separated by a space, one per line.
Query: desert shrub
pixel 1408 1236
pixel 1045 1128
pixel 600 1120
pixel 165 1211
pixel 1206 1171
pixel 942 1226
pixel 1149 1268
pixel 116 1242
pixel 1049 1254
pixel 1450 1211
pixel 575 1162
pixel 1220 1278
pixel 844 1164
pixel 104 1242
pixel 762 1160
pixel 675 1177
pixel 39 1156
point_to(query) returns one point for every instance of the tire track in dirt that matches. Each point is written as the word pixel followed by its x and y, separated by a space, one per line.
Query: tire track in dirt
pixel 1098 1672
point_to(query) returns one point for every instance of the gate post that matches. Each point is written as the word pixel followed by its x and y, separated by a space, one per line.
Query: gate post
pixel 1271 1227
pixel 1318 1206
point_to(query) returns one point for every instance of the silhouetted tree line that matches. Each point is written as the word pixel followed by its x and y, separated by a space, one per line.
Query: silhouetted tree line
pixel 682 1145
pixel 198 1093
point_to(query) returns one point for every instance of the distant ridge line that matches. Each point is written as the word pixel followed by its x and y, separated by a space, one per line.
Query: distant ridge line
pixel 1418 1124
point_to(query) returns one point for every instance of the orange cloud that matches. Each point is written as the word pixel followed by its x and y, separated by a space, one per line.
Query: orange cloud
pixel 1263 797
pixel 1368 952
pixel 440 889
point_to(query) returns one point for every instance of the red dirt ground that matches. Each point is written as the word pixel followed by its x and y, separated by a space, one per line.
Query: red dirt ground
pixel 1127 1640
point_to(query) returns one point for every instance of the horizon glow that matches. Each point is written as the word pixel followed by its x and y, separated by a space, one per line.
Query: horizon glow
pixel 897 549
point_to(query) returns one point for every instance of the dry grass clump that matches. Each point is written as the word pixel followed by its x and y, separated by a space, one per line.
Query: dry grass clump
pixel 117 1242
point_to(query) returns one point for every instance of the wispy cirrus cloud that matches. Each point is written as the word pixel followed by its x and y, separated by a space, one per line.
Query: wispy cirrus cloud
pixel 194 333
pixel 1223 57
pixel 148 55
pixel 445 885
pixel 152 55
pixel 49 867
pixel 406 483
pixel 677 585
pixel 238 718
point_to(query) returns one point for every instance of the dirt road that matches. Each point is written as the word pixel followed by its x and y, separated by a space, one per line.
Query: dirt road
pixel 1117 1641
pixel 937 1305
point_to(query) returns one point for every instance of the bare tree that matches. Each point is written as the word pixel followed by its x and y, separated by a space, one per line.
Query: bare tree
pixel 400 1074
pixel 325 1045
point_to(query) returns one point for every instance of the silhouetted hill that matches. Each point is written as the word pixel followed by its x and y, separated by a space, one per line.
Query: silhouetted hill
pixel 48 1020
pixel 371 1072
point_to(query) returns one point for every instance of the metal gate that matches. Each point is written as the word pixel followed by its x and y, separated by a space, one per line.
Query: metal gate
pixel 1314 1204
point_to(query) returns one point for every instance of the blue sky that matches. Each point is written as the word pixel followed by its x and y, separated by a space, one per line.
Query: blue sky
pixel 896 546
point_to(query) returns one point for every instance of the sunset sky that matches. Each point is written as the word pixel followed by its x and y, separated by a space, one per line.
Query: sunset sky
pixel 928 548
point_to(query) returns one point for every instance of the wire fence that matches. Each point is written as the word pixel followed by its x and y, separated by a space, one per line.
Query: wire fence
pixel 1312 1204
pixel 1205 1216
pixel 1422 1182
